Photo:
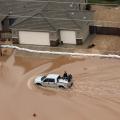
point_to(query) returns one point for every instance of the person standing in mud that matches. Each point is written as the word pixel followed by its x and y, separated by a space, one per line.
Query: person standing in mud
pixel 65 75
pixel 70 76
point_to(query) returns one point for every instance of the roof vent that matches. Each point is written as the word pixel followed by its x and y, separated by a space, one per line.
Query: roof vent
pixel 10 11
pixel 84 17
pixel 71 5
pixel 72 13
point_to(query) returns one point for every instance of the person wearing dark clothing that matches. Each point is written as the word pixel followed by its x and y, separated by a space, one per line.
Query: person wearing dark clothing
pixel 65 75
pixel 70 76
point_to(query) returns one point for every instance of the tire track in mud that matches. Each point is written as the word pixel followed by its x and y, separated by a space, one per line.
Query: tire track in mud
pixel 83 97
pixel 48 68
pixel 30 76
pixel 82 101
pixel 84 87
pixel 61 61
pixel 110 107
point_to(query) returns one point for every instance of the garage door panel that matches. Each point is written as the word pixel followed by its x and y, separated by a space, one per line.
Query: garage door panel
pixel 36 38
pixel 68 37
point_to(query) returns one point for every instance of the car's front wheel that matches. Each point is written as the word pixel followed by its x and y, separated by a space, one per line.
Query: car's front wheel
pixel 38 84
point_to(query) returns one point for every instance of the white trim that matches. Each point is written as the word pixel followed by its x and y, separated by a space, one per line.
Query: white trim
pixel 62 53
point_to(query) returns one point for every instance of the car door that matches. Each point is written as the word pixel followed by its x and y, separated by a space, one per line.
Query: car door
pixel 46 82
pixel 51 83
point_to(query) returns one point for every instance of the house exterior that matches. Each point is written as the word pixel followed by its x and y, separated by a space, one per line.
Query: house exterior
pixel 51 23
pixel 7 22
pixel 1 18
pixel 0 26
pixel 65 27
pixel 4 34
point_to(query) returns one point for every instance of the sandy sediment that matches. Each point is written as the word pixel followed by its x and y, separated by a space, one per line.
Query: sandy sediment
pixel 110 16
pixel 102 44
pixel 94 96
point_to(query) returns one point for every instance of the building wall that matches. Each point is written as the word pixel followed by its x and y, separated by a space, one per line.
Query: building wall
pixel 15 34
pixel 54 36
pixel 5 24
pixel 54 39
pixel 104 30
pixel 6 35
pixel 0 26
pixel 85 32
pixel 81 35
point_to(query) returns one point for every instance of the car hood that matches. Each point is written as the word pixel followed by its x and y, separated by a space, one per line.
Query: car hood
pixel 38 79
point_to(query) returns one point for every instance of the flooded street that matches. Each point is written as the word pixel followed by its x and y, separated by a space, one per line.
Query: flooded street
pixel 94 96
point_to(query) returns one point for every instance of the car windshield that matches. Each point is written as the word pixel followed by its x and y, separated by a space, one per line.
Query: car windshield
pixel 43 78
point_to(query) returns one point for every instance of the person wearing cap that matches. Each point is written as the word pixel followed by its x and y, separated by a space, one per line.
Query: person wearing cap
pixel 65 75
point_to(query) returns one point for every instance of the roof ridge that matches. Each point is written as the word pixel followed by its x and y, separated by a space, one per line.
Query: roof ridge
pixel 37 11
pixel 48 21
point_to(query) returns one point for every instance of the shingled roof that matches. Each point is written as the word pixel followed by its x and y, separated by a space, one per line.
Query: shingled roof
pixel 47 16
pixel 20 7
pixel 52 20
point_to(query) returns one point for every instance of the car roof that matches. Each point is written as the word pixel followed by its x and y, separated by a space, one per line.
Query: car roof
pixel 52 76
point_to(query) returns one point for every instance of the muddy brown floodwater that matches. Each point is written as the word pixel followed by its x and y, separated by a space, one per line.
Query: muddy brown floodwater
pixel 94 96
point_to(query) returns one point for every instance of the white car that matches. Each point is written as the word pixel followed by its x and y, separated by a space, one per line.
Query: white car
pixel 54 80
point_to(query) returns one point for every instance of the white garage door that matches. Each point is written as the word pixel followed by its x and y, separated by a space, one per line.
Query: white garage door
pixel 35 38
pixel 68 37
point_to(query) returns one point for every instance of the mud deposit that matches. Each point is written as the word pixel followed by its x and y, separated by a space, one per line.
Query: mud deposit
pixel 94 96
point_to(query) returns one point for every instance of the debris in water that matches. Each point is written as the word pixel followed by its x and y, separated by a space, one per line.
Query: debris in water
pixel 34 115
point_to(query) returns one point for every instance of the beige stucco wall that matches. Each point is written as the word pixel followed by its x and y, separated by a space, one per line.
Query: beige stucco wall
pixel 83 33
pixel 15 34
pixel 54 36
